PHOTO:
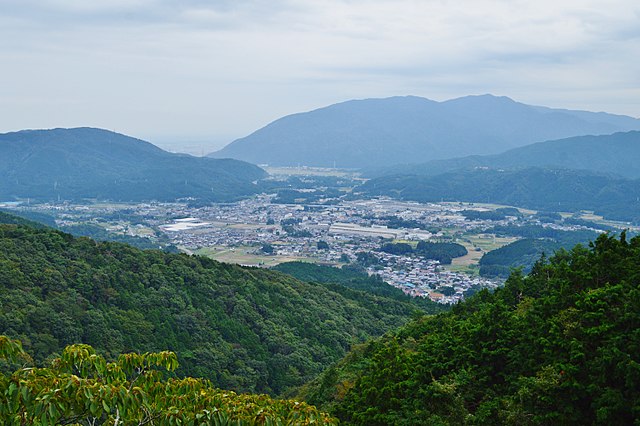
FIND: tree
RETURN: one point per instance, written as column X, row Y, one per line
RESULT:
column 323, row 245
column 367, row 258
column 81, row 387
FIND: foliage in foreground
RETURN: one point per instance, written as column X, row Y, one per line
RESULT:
column 80, row 387
column 560, row 346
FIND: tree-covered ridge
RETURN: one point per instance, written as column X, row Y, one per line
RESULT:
column 559, row 346
column 440, row 251
column 86, row 163
column 533, row 188
column 81, row 387
column 615, row 154
column 244, row 329
column 409, row 129
column 88, row 229
column 11, row 219
column 98, row 233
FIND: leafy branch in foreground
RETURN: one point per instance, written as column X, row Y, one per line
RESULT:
column 82, row 388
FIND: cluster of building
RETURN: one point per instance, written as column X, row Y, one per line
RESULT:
column 427, row 278
column 294, row 231
column 349, row 228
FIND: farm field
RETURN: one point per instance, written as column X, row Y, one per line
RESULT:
column 469, row 263
column 244, row 255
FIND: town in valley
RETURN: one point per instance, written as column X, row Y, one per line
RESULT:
column 265, row 230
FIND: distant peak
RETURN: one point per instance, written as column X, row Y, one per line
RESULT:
column 398, row 98
column 486, row 97
column 65, row 130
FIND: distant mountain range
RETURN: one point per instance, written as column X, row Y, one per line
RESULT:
column 536, row 188
column 379, row 132
column 88, row 163
column 615, row 154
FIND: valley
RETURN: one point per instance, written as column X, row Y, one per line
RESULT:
column 358, row 213
column 262, row 231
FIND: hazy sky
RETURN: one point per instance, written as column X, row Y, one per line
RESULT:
column 190, row 71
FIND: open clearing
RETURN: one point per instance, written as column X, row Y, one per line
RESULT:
column 244, row 256
column 469, row 263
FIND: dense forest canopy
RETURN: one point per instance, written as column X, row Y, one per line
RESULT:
column 12, row 219
column 559, row 346
column 536, row 241
column 244, row 329
column 86, row 229
column 533, row 188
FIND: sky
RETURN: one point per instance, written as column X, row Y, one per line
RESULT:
column 193, row 75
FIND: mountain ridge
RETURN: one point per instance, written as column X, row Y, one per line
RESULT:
column 402, row 129
column 535, row 188
column 86, row 162
column 613, row 154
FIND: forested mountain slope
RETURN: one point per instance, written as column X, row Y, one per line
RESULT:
column 524, row 253
column 383, row 132
column 11, row 219
column 614, row 154
column 535, row 188
column 81, row 163
column 560, row 346
column 91, row 230
column 245, row 329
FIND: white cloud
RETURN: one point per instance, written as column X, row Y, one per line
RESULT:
column 196, row 68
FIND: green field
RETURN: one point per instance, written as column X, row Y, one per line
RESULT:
column 244, row 255
column 469, row 263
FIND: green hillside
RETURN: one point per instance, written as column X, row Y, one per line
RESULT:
column 534, row 188
column 91, row 230
column 11, row 219
column 615, row 154
column 244, row 329
column 560, row 346
column 87, row 163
